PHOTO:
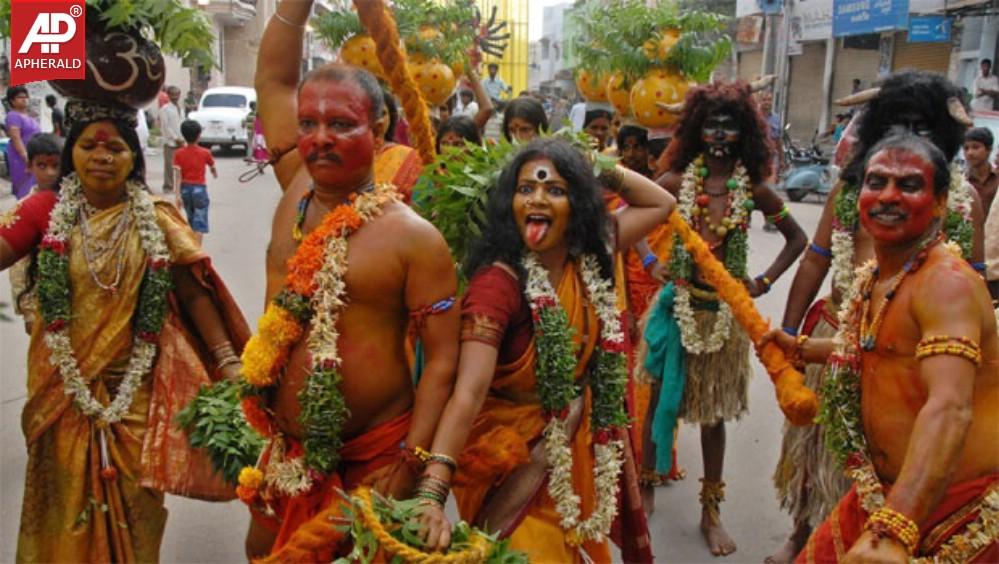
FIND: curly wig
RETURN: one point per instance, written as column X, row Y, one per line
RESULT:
column 922, row 93
column 589, row 228
column 755, row 149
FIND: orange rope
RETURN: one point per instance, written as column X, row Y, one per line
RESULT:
column 381, row 25
column 797, row 402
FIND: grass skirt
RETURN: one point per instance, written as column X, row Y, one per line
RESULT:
column 809, row 482
column 717, row 386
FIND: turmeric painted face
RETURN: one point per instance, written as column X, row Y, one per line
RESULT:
column 335, row 137
column 102, row 159
column 541, row 206
column 897, row 202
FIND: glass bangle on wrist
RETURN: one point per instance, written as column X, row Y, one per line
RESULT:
column 766, row 282
column 649, row 260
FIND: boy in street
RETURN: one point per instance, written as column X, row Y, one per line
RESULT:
column 978, row 144
column 189, row 163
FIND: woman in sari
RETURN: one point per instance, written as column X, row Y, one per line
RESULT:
column 133, row 320
column 539, row 397
column 21, row 127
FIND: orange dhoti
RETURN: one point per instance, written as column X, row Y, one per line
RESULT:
column 71, row 512
column 944, row 537
column 304, row 523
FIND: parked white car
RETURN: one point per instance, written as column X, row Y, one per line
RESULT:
column 221, row 113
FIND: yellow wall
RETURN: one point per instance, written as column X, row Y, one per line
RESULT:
column 513, row 65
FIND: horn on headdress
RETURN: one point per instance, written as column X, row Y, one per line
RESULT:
column 956, row 109
column 859, row 98
column 674, row 108
column 763, row 82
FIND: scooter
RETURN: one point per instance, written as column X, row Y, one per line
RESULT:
column 808, row 171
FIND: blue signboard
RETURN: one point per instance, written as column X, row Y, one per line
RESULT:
column 929, row 29
column 855, row 17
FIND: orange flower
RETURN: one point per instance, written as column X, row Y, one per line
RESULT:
column 304, row 264
column 256, row 416
column 268, row 348
column 245, row 494
column 797, row 402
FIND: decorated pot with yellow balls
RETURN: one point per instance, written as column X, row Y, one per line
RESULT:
column 618, row 95
column 434, row 79
column 658, row 48
column 590, row 87
column 359, row 51
column 658, row 86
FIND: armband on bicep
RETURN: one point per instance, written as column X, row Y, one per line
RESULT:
column 962, row 347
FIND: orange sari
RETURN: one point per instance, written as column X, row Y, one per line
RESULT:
column 70, row 513
column 510, row 422
column 400, row 165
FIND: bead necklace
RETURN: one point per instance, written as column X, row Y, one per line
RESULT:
column 303, row 206
column 869, row 332
column 733, row 218
column 114, row 244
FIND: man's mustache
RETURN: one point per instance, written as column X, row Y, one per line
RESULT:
column 314, row 156
column 890, row 209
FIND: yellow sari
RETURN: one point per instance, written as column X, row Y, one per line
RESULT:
column 71, row 513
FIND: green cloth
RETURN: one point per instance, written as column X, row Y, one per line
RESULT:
column 665, row 362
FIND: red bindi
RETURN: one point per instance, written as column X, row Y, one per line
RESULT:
column 102, row 136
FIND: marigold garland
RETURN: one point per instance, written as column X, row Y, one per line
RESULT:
column 55, row 299
column 314, row 290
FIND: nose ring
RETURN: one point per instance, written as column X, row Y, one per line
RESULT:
column 109, row 159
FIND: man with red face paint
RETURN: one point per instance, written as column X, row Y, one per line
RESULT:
column 718, row 164
column 349, row 268
column 910, row 402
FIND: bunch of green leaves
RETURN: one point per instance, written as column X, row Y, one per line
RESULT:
column 960, row 231
column 400, row 519
column 453, row 20
column 154, row 299
column 337, row 26
column 324, row 411
column 54, row 300
column 845, row 207
column 453, row 190
column 556, row 364
column 613, row 38
column 214, row 421
column 176, row 28
column 839, row 413
column 608, row 383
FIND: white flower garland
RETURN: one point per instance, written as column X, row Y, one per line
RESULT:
column 693, row 342
column 958, row 201
column 609, row 457
column 62, row 220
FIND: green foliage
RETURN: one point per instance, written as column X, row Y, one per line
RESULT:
column 608, row 382
column 214, row 421
column 736, row 248
column 177, row 29
column 400, row 519
column 53, row 286
column 556, row 364
column 323, row 413
column 845, row 207
column 613, row 35
column 154, row 296
column 961, row 232
column 453, row 19
column 839, row 413
column 453, row 190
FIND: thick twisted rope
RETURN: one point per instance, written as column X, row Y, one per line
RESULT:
column 478, row 550
column 797, row 402
column 381, row 25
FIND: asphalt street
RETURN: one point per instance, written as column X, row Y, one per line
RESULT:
column 240, row 217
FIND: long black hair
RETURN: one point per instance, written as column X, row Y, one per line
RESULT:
column 907, row 92
column 589, row 228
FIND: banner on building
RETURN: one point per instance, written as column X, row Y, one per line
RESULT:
column 749, row 30
column 853, row 17
column 811, row 20
column 929, row 29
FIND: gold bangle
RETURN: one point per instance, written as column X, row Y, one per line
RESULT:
column 445, row 460
column 888, row 523
column 287, row 22
column 612, row 179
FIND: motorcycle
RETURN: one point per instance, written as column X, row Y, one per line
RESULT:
column 808, row 171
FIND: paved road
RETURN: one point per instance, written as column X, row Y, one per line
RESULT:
column 207, row 532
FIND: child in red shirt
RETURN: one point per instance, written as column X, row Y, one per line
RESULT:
column 189, row 163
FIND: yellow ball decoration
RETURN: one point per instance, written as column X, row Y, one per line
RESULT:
column 659, row 86
column 435, row 80
column 359, row 51
column 592, row 89
column 619, row 96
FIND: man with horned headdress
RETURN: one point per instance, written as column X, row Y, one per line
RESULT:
column 718, row 163
column 807, row 478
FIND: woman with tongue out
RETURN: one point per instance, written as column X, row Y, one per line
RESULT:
column 536, row 419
